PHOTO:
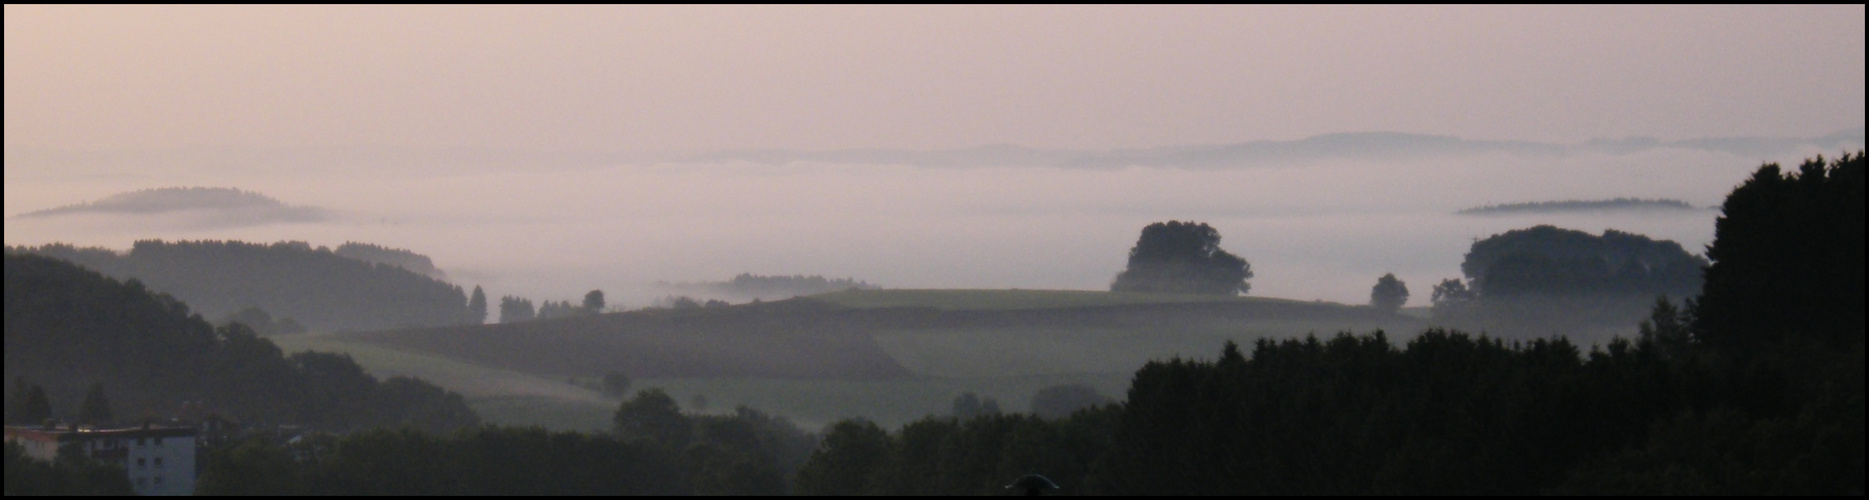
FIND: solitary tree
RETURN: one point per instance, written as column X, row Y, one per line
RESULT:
column 1182, row 257
column 594, row 301
column 477, row 306
column 1389, row 293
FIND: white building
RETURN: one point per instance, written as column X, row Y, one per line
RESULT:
column 159, row 460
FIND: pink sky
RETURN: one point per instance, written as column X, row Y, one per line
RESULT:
column 660, row 78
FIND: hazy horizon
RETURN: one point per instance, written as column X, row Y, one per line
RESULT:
column 546, row 151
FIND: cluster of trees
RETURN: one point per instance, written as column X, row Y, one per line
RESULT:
column 1182, row 257
column 1755, row 388
column 1545, row 280
column 1549, row 260
column 686, row 302
column 263, row 323
column 746, row 453
column 956, row 456
column 319, row 288
column 517, row 309
column 72, row 332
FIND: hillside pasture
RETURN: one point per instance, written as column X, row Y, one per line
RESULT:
column 888, row 355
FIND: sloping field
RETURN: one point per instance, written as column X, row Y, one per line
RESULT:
column 887, row 355
column 473, row 381
column 789, row 340
column 973, row 300
column 1009, row 333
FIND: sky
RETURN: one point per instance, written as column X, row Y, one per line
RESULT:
column 607, row 78
column 386, row 117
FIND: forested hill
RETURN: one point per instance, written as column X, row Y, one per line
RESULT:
column 316, row 287
column 393, row 256
column 69, row 329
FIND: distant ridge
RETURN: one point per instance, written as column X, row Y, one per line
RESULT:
column 26, row 163
column 226, row 205
column 1579, row 206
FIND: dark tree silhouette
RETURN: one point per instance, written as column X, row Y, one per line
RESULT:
column 30, row 405
column 1389, row 293
column 1451, row 291
column 477, row 307
column 594, row 301
column 653, row 417
column 1182, row 257
column 1552, row 260
column 1788, row 259
column 515, row 309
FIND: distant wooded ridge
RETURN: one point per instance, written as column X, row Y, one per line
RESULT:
column 1580, row 206
column 317, row 287
column 1364, row 146
column 187, row 198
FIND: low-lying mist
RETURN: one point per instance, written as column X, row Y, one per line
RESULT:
column 1321, row 231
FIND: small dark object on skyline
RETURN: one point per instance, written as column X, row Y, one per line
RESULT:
column 1033, row 484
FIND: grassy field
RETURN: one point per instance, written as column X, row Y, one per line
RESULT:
column 987, row 300
column 511, row 398
column 1002, row 344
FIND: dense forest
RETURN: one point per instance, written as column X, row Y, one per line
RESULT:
column 317, row 288
column 398, row 257
column 70, row 331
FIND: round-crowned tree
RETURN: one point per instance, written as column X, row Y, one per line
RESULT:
column 1182, row 257
column 1389, row 293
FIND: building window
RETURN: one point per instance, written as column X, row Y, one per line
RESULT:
column 158, row 465
column 139, row 442
column 142, row 482
column 158, row 482
column 140, row 465
column 158, row 441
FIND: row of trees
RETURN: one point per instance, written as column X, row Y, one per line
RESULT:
column 517, row 309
